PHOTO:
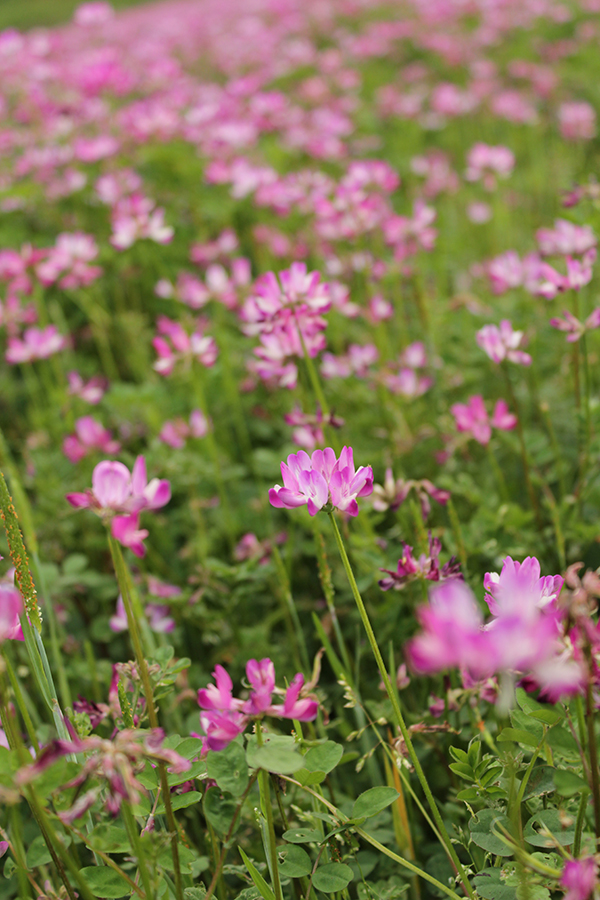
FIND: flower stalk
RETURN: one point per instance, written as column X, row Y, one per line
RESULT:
column 397, row 711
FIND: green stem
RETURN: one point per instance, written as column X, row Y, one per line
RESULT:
column 579, row 823
column 20, row 699
column 136, row 846
column 123, row 580
column 593, row 757
column 374, row 843
column 265, row 802
column 221, row 861
column 398, row 713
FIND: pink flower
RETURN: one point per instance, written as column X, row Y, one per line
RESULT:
column 453, row 635
column 393, row 493
column 520, row 589
column 304, row 710
column 565, row 239
column 92, row 391
column 573, row 327
column 502, row 343
column 484, row 162
column 261, row 676
column 116, row 490
column 136, row 217
column 94, row 13
column 176, row 432
column 577, row 121
column 223, row 717
column 177, row 345
column 315, row 480
column 36, row 343
column 579, row 878
column 126, row 530
column 11, row 609
column 425, row 566
column 90, row 435
column 473, row 418
column 302, row 486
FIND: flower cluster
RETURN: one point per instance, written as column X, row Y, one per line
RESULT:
column 525, row 635
column 223, row 717
column 116, row 762
column 286, row 313
column 119, row 496
column 472, row 417
column 320, row 479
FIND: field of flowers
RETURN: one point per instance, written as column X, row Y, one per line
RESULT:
column 300, row 443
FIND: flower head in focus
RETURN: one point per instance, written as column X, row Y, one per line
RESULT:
column 223, row 717
column 314, row 481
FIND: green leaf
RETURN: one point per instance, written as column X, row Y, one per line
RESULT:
column 458, row 754
column 548, row 716
column 323, row 758
column 469, row 795
column 524, row 722
column 332, row 877
column 229, row 769
column 304, row 777
column 518, row 736
column 303, row 836
column 490, row 887
column 260, row 883
column 371, row 802
column 548, row 819
column 38, row 853
column 462, row 769
column 278, row 759
column 111, row 839
column 481, row 828
column 294, row 862
column 541, row 781
column 186, row 858
column 181, row 801
column 105, row 882
column 532, row 892
column 219, row 809
column 568, row 784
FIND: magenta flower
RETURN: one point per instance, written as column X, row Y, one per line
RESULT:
column 92, row 391
column 158, row 618
column 503, row 343
column 425, row 566
column 577, row 121
column 303, row 709
column 524, row 636
column 173, row 344
column 36, row 343
column 573, row 328
column 520, row 589
column 472, row 417
column 565, row 239
column 316, row 480
column 393, row 492
column 11, row 609
column 453, row 635
column 176, row 432
column 90, row 435
column 579, row 878
column 117, row 491
column 223, row 717
column 126, row 530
